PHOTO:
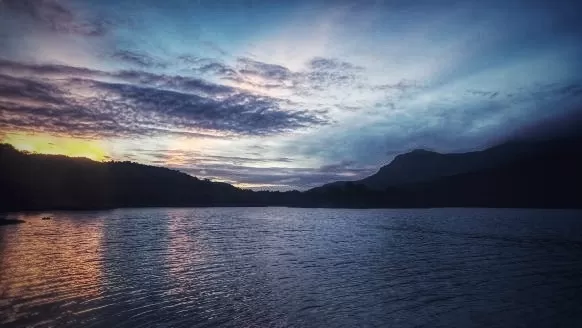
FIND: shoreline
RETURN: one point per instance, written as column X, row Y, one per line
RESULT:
column 5, row 222
column 77, row 209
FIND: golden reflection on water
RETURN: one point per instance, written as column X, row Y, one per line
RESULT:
column 46, row 265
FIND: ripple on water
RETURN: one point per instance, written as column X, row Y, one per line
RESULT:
column 279, row 267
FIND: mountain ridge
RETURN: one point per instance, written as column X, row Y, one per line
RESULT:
column 421, row 165
column 519, row 174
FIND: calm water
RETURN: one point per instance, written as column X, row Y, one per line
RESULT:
column 280, row 267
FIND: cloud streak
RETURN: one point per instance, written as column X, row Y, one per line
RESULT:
column 142, row 103
column 139, row 59
column 277, row 177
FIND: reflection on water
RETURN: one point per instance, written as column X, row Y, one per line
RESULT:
column 49, row 267
column 279, row 267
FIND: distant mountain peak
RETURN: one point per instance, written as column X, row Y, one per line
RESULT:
column 422, row 151
column 416, row 153
column 421, row 165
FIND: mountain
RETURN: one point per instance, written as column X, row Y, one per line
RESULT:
column 422, row 165
column 549, row 177
column 540, row 174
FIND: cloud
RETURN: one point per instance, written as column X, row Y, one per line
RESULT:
column 241, row 112
column 199, row 157
column 328, row 64
column 55, row 16
column 175, row 82
column 218, row 69
column 355, row 84
column 488, row 94
column 208, row 66
column 438, row 120
column 194, row 60
column 261, row 177
column 258, row 171
column 21, row 90
column 402, row 86
column 320, row 74
column 265, row 70
column 340, row 167
column 49, row 70
column 79, row 101
column 139, row 59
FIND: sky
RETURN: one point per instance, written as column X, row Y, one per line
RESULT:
column 282, row 95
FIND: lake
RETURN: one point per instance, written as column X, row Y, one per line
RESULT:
column 287, row 267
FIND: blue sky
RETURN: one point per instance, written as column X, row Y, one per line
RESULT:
column 283, row 95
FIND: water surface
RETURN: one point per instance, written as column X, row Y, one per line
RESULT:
column 282, row 267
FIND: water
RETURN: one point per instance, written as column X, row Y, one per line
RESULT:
column 281, row 267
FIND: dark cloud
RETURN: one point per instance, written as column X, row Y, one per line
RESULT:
column 54, row 15
column 238, row 113
column 176, row 82
column 80, row 104
column 18, row 90
column 64, row 120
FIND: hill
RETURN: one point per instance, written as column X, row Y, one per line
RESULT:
column 34, row 181
column 541, row 174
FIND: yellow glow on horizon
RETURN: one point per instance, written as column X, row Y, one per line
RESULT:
column 55, row 145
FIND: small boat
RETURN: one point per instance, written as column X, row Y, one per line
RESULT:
column 46, row 218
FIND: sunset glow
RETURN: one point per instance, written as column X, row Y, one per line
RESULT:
column 282, row 95
column 55, row 145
